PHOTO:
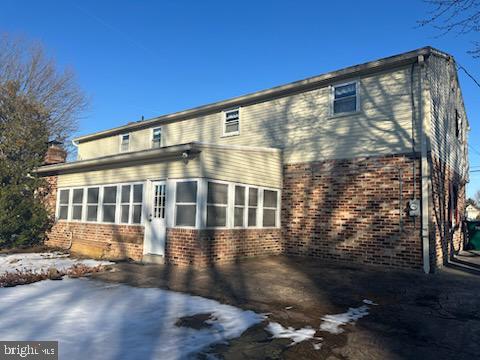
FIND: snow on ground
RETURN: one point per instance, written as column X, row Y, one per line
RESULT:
column 41, row 262
column 333, row 323
column 96, row 320
column 278, row 331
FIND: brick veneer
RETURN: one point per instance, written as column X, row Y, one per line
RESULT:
column 203, row 247
column 445, row 239
column 98, row 240
column 351, row 210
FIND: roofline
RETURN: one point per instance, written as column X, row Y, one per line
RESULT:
column 164, row 153
column 273, row 93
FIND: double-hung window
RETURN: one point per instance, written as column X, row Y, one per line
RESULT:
column 137, row 199
column 270, row 204
column 252, row 206
column 157, row 138
column 77, row 204
column 186, row 203
column 239, row 212
column 124, row 142
column 217, row 204
column 125, row 203
column 64, row 203
column 109, row 203
column 345, row 98
column 231, row 122
column 92, row 203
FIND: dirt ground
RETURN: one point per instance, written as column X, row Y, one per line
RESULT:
column 418, row 316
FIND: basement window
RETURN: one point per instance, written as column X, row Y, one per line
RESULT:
column 231, row 122
column 345, row 98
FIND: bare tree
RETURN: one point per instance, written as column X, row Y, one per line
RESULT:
column 37, row 78
column 459, row 16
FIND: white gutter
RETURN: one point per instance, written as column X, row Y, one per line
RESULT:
column 425, row 174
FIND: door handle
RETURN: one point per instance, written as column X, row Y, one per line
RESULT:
column 150, row 217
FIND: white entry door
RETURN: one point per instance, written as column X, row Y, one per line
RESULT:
column 156, row 225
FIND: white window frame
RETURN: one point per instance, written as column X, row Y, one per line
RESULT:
column 224, row 122
column 277, row 209
column 121, row 142
column 174, row 196
column 227, row 206
column 248, row 206
column 357, row 98
column 244, row 206
column 100, row 204
column 161, row 137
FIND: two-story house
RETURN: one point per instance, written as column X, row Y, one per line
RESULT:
column 365, row 164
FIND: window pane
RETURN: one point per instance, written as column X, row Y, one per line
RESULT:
column 109, row 213
column 238, row 218
column 157, row 134
column 77, row 196
column 92, row 195
column 252, row 197
column 77, row 212
column 232, row 115
column 217, row 193
column 137, row 214
column 64, row 194
column 137, row 193
column 125, row 213
column 239, row 195
column 63, row 212
column 232, row 127
column 186, row 215
column 269, row 198
column 187, row 192
column 269, row 218
column 252, row 217
column 92, row 211
column 110, row 195
column 126, row 193
column 216, row 216
column 345, row 90
column 345, row 105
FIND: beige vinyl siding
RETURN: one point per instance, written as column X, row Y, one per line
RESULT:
column 249, row 167
column 445, row 97
column 301, row 124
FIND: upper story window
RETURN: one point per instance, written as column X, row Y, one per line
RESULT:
column 345, row 98
column 157, row 138
column 124, row 142
column 231, row 122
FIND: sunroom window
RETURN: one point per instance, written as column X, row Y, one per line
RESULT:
column 63, row 204
column 186, row 203
column 109, row 203
column 217, row 203
column 239, row 212
column 345, row 98
column 77, row 204
column 270, row 204
column 92, row 203
column 252, row 206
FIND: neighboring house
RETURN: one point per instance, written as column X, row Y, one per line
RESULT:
column 365, row 164
column 473, row 212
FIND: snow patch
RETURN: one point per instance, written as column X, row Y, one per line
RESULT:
column 96, row 320
column 41, row 262
column 369, row 302
column 278, row 331
column 333, row 323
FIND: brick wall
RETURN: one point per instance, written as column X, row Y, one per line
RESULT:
column 353, row 210
column 203, row 247
column 98, row 240
column 446, row 238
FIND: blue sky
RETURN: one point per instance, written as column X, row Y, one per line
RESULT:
column 149, row 58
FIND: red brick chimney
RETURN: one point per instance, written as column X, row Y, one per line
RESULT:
column 55, row 154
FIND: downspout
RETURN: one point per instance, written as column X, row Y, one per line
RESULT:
column 425, row 173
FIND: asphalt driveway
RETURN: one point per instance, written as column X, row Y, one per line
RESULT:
column 417, row 317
